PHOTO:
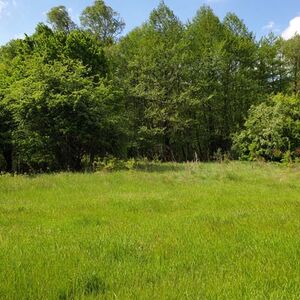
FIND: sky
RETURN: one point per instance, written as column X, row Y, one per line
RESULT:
column 261, row 16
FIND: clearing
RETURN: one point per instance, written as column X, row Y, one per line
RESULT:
column 189, row 231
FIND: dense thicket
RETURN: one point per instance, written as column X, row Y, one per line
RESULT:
column 272, row 131
column 70, row 94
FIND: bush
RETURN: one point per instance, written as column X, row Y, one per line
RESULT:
column 271, row 131
column 111, row 164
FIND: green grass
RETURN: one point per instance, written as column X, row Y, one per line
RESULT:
column 194, row 231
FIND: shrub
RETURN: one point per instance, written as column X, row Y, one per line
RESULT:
column 111, row 164
column 271, row 131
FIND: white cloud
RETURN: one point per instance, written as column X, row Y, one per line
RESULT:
column 271, row 27
column 293, row 29
column 3, row 6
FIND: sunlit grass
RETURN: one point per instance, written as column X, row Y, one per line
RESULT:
column 193, row 231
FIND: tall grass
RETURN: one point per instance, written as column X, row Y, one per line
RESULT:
column 193, row 231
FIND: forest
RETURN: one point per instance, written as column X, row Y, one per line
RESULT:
column 73, row 94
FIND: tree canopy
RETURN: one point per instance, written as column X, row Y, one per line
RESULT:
column 59, row 18
column 102, row 21
column 71, row 94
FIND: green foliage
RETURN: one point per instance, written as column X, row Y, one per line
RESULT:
column 60, row 20
column 60, row 115
column 111, row 163
column 271, row 65
column 102, row 21
column 166, row 90
column 150, row 72
column 291, row 50
column 81, row 45
column 272, row 130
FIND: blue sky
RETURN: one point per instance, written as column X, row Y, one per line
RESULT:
column 261, row 16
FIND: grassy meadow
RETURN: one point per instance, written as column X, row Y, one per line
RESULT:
column 189, row 231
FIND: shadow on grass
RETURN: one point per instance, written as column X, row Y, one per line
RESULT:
column 91, row 286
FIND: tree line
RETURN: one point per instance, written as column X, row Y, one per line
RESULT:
column 73, row 93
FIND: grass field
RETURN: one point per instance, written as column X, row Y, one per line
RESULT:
column 194, row 231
